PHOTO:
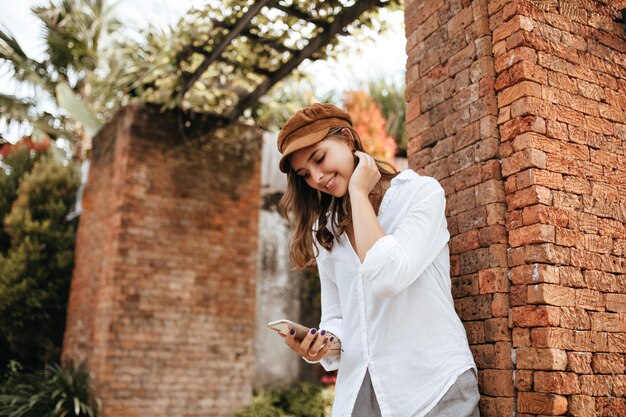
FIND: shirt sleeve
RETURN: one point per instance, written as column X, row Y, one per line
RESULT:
column 396, row 260
column 331, row 317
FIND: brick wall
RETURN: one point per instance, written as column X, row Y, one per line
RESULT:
column 163, row 293
column 517, row 107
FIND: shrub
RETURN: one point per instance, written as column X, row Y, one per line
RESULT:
column 54, row 392
column 35, row 271
column 304, row 400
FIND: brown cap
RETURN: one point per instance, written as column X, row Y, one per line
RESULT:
column 308, row 126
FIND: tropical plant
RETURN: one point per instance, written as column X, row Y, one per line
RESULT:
column 36, row 268
column 54, row 392
column 73, row 30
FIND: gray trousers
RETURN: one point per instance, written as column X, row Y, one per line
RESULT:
column 461, row 400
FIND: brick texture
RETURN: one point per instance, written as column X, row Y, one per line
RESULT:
column 518, row 109
column 163, row 293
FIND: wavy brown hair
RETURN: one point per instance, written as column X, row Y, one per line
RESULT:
column 303, row 206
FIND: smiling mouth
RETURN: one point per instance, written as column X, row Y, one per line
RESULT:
column 331, row 182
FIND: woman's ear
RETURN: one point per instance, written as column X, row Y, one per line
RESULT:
column 347, row 133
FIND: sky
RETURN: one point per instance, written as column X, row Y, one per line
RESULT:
column 383, row 57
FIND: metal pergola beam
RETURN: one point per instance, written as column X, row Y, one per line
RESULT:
column 219, row 49
column 246, row 32
column 342, row 20
column 299, row 14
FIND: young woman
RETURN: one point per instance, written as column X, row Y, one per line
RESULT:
column 379, row 239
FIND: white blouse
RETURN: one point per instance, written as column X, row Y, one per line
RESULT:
column 394, row 313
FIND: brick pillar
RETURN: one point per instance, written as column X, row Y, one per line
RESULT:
column 163, row 293
column 517, row 107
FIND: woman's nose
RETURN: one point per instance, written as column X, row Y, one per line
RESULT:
column 317, row 176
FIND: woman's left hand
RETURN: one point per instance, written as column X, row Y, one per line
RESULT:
column 365, row 175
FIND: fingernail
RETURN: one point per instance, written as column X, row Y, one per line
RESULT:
column 332, row 338
column 313, row 331
column 323, row 332
column 292, row 332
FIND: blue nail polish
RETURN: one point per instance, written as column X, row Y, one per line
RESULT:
column 292, row 332
column 313, row 331
column 323, row 332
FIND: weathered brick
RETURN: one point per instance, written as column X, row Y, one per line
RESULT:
column 534, row 274
column 536, row 233
column 507, row 59
column 608, row 363
column 534, row 316
column 596, row 385
column 575, row 318
column 605, row 322
column 579, row 362
column 541, row 359
column 616, row 302
column 551, row 294
column 546, row 215
column 611, row 406
column 553, row 337
column 540, row 403
column 474, row 308
column 590, row 299
column 557, row 382
column 582, row 405
column 523, row 380
column 498, row 382
column 460, row 21
column 500, row 305
column 522, row 160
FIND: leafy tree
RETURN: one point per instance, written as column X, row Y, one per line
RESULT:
column 36, row 269
column 16, row 160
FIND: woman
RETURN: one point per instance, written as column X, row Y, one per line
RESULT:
column 379, row 239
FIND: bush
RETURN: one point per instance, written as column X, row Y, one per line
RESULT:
column 305, row 400
column 16, row 161
column 35, row 271
column 54, row 392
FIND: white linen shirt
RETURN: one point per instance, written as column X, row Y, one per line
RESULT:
column 394, row 313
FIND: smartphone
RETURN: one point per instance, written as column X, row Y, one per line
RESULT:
column 283, row 326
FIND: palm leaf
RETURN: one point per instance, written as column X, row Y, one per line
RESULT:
column 77, row 109
column 23, row 68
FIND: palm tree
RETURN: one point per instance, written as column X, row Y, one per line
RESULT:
column 73, row 33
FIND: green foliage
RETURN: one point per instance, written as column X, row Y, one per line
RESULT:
column 54, row 392
column 390, row 97
column 14, row 165
column 36, row 269
column 304, row 400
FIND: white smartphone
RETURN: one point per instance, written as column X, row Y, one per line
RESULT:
column 283, row 326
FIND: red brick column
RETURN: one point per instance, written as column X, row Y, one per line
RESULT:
column 163, row 293
column 517, row 108
column 561, row 96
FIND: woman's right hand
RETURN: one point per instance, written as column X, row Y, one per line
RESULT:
column 313, row 347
